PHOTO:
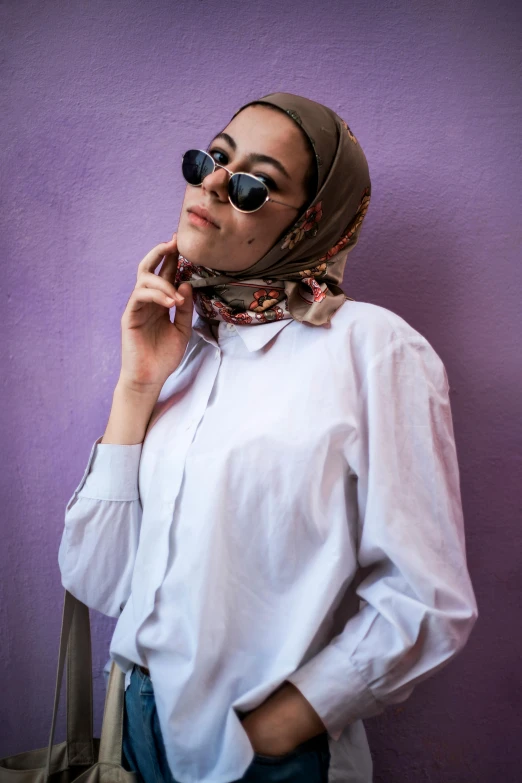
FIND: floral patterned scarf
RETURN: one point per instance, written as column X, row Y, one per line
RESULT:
column 299, row 276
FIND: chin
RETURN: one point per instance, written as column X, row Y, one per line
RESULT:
column 198, row 250
column 193, row 248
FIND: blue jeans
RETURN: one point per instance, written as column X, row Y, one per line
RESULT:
column 144, row 751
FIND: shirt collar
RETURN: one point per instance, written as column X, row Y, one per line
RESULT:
column 254, row 337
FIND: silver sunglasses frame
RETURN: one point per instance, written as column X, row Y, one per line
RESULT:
column 232, row 174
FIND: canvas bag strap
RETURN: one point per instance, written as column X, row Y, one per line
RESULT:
column 75, row 643
column 112, row 727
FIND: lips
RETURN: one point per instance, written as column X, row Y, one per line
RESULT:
column 204, row 213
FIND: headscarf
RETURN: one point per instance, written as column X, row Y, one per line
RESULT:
column 299, row 276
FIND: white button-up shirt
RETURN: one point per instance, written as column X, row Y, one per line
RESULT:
column 293, row 513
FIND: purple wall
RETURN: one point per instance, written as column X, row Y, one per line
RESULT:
column 98, row 102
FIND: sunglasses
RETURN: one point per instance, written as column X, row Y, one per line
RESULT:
column 246, row 192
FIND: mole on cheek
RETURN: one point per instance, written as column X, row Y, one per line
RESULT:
column 251, row 240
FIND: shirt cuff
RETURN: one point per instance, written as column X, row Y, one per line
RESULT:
column 112, row 472
column 335, row 689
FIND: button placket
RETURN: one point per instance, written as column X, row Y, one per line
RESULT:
column 198, row 414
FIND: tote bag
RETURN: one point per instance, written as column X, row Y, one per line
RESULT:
column 81, row 757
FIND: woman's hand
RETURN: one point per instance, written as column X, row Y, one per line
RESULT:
column 282, row 722
column 152, row 345
column 265, row 738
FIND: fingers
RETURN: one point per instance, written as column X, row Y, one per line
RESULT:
column 169, row 267
column 142, row 296
column 154, row 256
column 152, row 287
column 151, row 280
column 185, row 310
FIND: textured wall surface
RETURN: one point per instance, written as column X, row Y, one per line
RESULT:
column 98, row 102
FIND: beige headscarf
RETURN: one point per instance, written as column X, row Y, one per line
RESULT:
column 299, row 276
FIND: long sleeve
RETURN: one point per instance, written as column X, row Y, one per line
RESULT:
column 102, row 524
column 418, row 605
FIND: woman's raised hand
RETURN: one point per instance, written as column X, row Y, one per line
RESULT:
column 152, row 345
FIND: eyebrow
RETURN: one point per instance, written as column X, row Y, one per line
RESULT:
column 254, row 157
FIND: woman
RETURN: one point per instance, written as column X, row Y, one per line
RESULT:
column 273, row 512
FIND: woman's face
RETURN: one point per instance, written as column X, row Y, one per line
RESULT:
column 241, row 239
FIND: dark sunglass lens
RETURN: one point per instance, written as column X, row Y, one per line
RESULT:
column 196, row 166
column 246, row 192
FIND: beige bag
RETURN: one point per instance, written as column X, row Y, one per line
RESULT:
column 81, row 756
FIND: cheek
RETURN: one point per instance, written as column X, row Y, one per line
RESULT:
column 248, row 231
column 267, row 230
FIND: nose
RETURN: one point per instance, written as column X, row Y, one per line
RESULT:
column 217, row 184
